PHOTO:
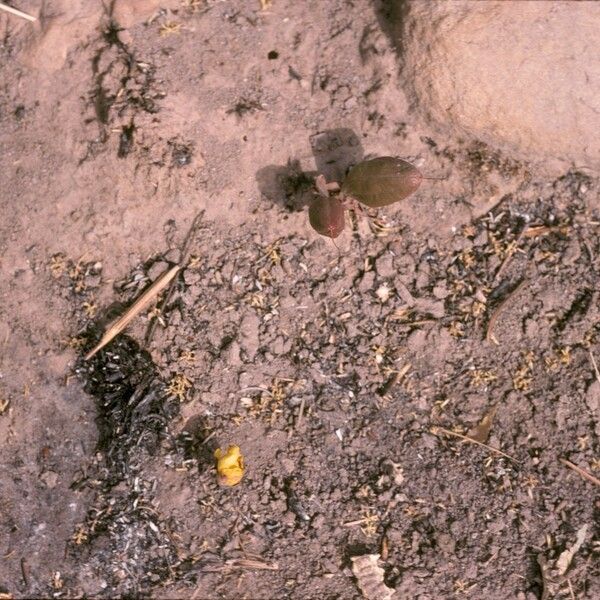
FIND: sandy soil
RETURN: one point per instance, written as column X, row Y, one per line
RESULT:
column 471, row 308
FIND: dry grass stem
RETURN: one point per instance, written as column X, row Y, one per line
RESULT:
column 300, row 413
column 185, row 259
column 240, row 563
column 396, row 377
column 595, row 366
column 135, row 309
column 436, row 430
column 544, row 230
column 248, row 563
column 355, row 523
column 579, row 470
column 17, row 13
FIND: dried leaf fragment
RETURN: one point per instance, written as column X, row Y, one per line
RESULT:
column 230, row 466
column 369, row 576
column 481, row 432
column 564, row 560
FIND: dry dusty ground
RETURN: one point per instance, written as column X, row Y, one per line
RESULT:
column 331, row 367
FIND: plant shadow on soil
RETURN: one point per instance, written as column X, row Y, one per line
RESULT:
column 334, row 150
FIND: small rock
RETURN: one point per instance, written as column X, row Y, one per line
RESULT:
column 50, row 479
column 366, row 283
column 234, row 358
column 592, row 397
column 422, row 280
column 191, row 277
column 278, row 345
column 157, row 269
column 445, row 543
column 173, row 255
column 416, row 340
column 531, row 328
column 429, row 441
column 289, row 466
column 440, row 291
column 385, row 266
column 318, row 521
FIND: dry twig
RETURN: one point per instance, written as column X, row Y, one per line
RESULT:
column 355, row 523
column 248, row 563
column 184, row 259
column 16, row 12
column 595, row 366
column 436, row 430
column 538, row 230
column 135, row 309
column 579, row 470
column 300, row 413
column 240, row 563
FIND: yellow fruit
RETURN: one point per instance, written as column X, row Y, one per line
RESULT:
column 230, row 466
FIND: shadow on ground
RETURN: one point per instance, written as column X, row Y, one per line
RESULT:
column 335, row 151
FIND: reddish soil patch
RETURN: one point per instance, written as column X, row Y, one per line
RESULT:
column 331, row 367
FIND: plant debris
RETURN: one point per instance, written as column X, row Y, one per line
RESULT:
column 134, row 413
column 565, row 559
column 481, row 432
column 135, row 309
column 437, row 430
column 369, row 576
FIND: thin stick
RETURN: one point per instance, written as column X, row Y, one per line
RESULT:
column 24, row 572
column 208, row 437
column 595, row 367
column 466, row 438
column 300, row 413
column 355, row 523
column 17, row 13
column 185, row 251
column 489, row 335
column 579, row 470
column 239, row 563
column 538, row 230
column 248, row 563
column 135, row 309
